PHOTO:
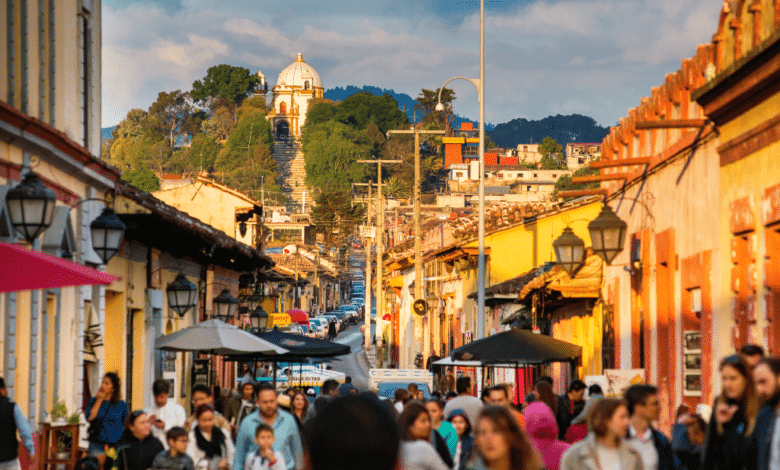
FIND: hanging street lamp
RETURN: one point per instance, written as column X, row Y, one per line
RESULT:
column 258, row 318
column 225, row 306
column 181, row 295
column 569, row 251
column 107, row 234
column 254, row 300
column 30, row 206
column 608, row 234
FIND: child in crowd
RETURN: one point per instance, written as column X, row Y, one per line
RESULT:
column 175, row 458
column 264, row 458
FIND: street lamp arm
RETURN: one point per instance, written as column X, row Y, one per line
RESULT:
column 474, row 81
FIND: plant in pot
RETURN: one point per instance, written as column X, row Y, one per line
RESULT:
column 58, row 413
column 64, row 441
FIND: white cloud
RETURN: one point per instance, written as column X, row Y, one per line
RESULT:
column 595, row 57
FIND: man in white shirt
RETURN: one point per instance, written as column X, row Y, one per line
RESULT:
column 653, row 446
column 164, row 414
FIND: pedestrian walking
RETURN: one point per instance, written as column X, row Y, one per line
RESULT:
column 165, row 414
column 499, row 443
column 175, row 458
column 735, row 410
column 355, row 432
column 264, row 458
column 287, row 437
column 465, row 400
column 417, row 453
column 201, row 395
column 499, row 396
column 436, row 410
column 688, row 436
column 106, row 413
column 401, row 397
column 569, row 405
column 751, row 354
column 210, row 447
column 328, row 391
column 644, row 410
column 605, row 448
column 767, row 433
column 137, row 448
column 531, row 397
column 578, row 429
column 12, row 420
column 347, row 388
column 332, row 330
column 465, row 445
column 543, row 430
column 238, row 408
column 447, row 383
column 299, row 406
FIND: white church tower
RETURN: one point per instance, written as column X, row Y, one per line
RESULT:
column 297, row 84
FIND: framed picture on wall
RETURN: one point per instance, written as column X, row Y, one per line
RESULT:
column 692, row 340
column 691, row 363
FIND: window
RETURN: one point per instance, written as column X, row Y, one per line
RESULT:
column 554, row 175
column 536, row 175
column 306, row 85
column 528, row 188
column 283, row 108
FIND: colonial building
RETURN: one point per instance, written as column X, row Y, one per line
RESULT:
column 297, row 84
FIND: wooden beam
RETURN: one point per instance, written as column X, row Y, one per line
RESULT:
column 598, row 178
column 622, row 162
column 670, row 124
column 583, row 192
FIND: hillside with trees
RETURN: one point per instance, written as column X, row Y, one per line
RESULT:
column 218, row 127
column 562, row 129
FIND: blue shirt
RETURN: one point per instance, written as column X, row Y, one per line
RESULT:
column 110, row 419
column 23, row 427
column 287, row 439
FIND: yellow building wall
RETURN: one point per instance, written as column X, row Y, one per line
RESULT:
column 210, row 205
column 22, row 380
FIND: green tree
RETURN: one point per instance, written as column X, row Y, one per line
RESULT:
column 333, row 214
column 203, row 152
column 246, row 160
column 549, row 147
column 426, row 106
column 171, row 110
column 564, row 182
column 396, row 187
column 358, row 111
column 332, row 150
column 224, row 83
column 551, row 163
column 219, row 125
column 142, row 178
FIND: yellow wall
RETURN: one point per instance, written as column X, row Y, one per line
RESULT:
column 210, row 205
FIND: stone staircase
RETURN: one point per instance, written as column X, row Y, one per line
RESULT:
column 292, row 171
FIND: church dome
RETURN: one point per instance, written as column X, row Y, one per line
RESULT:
column 298, row 73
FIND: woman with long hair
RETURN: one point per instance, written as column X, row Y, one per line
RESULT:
column 733, row 418
column 500, row 444
column 605, row 448
column 299, row 405
column 137, row 447
column 210, row 447
column 544, row 393
column 106, row 413
column 417, row 453
column 460, row 421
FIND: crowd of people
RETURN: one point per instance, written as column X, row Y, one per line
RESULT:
column 259, row 429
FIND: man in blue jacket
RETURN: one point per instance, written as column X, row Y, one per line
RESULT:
column 653, row 446
column 287, row 438
column 766, row 435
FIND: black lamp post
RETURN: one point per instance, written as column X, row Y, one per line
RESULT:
column 569, row 251
column 30, row 206
column 181, row 295
column 107, row 234
column 225, row 306
column 258, row 318
column 608, row 234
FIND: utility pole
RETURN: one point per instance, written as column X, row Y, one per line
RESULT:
column 418, row 263
column 367, row 247
column 379, row 235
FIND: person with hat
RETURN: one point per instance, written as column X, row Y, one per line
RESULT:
column 460, row 421
column 238, row 408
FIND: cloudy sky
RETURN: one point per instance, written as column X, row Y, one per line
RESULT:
column 543, row 57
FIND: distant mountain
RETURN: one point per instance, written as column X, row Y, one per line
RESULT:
column 564, row 129
column 404, row 100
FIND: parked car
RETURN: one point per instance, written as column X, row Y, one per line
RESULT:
column 315, row 328
column 331, row 316
column 323, row 326
column 306, row 330
column 373, row 315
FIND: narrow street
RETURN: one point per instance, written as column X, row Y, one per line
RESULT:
column 355, row 364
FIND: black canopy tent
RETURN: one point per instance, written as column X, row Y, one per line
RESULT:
column 301, row 349
column 518, row 347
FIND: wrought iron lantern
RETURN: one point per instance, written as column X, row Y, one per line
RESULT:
column 30, row 206
column 258, row 318
column 181, row 295
column 608, row 234
column 569, row 251
column 107, row 234
column 225, row 306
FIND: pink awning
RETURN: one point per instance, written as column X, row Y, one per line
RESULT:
column 24, row 269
